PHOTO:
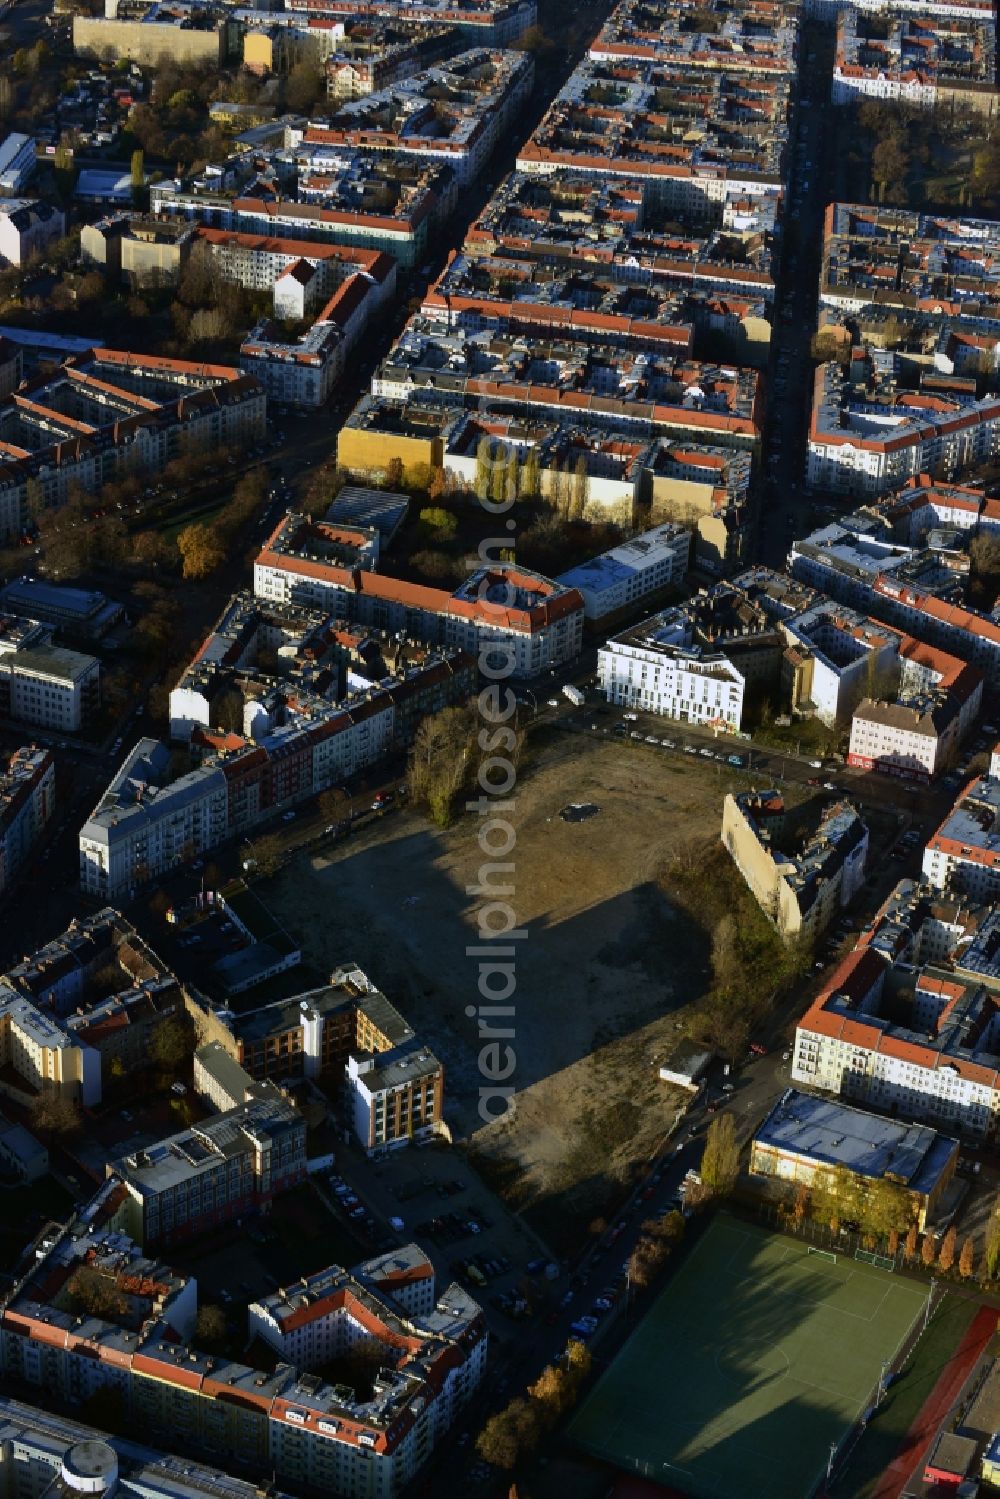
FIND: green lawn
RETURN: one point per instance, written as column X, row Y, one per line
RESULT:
column 754, row 1359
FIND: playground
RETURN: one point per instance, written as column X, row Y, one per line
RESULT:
column 760, row 1355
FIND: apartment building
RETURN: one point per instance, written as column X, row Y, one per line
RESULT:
column 805, row 1137
column 868, row 435
column 146, row 824
column 800, row 891
column 295, row 740
column 83, row 612
column 132, row 413
column 366, row 58
column 139, row 251
column 963, row 855
column 835, row 657
column 916, row 735
column 910, row 1026
column 26, row 226
column 535, row 622
column 659, row 667
column 455, row 112
column 341, row 197
column 327, row 665
column 44, row 1455
column 922, row 60
column 645, row 389
column 61, row 1030
column 915, row 590
column 48, row 686
column 27, row 801
column 862, row 261
column 490, row 23
column 284, row 1420
column 157, row 34
column 705, row 488
column 748, row 36
column 390, row 1085
column 304, row 371
column 394, row 1096
column 632, row 574
column 698, row 662
column 259, row 261
column 231, row 1164
column 608, row 119
column 612, row 224
column 828, row 10
column 516, row 296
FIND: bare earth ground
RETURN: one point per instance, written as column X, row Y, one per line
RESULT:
column 604, row 968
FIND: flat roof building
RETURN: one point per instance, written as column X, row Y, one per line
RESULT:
column 632, row 574
column 804, row 1135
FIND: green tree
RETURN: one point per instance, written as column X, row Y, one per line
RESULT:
column 581, row 489
column 510, row 1435
column 303, row 87
column 441, row 524
column 210, row 1326
column 484, row 467
column 529, row 477
column 992, row 1252
column 34, row 500
column 170, row 1044
column 720, row 1162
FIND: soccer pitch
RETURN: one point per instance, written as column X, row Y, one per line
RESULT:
column 755, row 1358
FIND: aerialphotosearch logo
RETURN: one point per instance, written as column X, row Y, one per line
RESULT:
column 495, row 952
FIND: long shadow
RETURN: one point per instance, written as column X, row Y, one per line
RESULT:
column 743, row 1372
column 603, row 973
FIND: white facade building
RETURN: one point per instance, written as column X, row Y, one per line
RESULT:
column 27, row 800
column 27, row 226
column 656, row 668
column 964, row 854
column 49, row 687
column 631, row 574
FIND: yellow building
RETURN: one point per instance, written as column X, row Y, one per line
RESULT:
column 370, row 450
column 154, row 42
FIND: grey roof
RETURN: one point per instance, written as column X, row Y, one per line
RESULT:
column 55, row 661
column 378, row 508
column 834, row 1134
column 224, row 1069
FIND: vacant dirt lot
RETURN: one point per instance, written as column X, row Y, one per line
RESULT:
column 601, row 974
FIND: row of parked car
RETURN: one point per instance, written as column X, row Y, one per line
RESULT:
column 480, row 1269
column 449, row 1228
column 584, row 1327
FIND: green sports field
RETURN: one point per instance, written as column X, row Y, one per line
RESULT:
column 755, row 1358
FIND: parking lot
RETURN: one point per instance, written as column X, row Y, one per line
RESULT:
column 431, row 1195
